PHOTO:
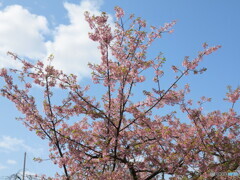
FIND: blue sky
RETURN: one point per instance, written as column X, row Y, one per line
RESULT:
column 38, row 28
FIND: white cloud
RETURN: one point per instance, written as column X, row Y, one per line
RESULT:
column 21, row 32
column 10, row 144
column 12, row 162
column 27, row 173
column 71, row 46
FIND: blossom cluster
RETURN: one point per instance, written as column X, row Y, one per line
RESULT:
column 122, row 133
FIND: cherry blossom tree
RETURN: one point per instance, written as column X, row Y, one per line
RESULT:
column 122, row 132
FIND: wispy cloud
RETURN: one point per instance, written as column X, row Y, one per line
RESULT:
column 27, row 173
column 2, row 167
column 12, row 162
column 11, row 144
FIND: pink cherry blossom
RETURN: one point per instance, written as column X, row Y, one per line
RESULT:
column 125, row 126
